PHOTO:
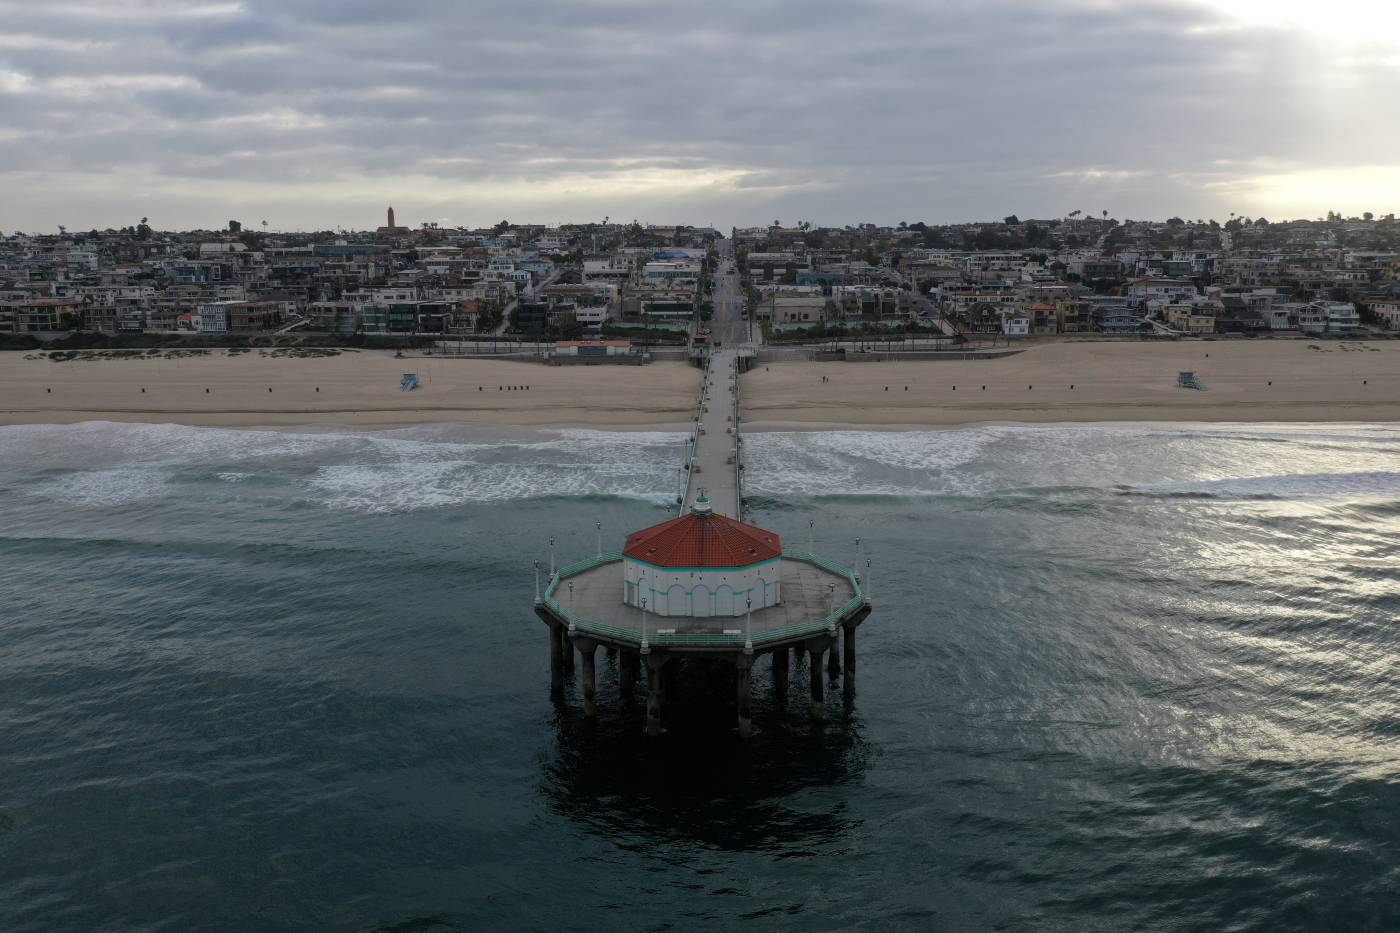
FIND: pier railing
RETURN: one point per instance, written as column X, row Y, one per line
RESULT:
column 703, row 639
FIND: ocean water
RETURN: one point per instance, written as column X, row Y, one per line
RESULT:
column 1118, row 677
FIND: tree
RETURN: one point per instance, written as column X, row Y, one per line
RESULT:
column 235, row 227
column 1175, row 222
column 1012, row 221
column 501, row 227
column 1368, row 216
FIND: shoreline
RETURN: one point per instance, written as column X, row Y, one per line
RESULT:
column 763, row 427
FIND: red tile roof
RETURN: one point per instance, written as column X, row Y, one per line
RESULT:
column 702, row 541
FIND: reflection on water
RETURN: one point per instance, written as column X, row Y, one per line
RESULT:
column 700, row 783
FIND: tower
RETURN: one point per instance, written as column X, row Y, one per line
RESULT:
column 390, row 225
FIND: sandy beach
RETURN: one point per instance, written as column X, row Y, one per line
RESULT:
column 353, row 388
column 1248, row 381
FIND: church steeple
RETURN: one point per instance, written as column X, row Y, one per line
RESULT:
column 390, row 225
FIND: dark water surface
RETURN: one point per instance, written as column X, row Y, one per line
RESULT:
column 1117, row 678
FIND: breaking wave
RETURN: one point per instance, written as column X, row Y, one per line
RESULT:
column 102, row 464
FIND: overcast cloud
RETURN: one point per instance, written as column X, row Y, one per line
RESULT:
column 318, row 113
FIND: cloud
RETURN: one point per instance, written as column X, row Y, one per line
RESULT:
column 313, row 113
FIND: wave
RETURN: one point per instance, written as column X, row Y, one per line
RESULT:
column 1053, row 467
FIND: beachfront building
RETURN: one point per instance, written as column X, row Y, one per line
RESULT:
column 38, row 315
column 1042, row 318
column 1341, row 317
column 1311, row 318
column 1073, row 316
column 1015, row 324
column 1121, row 322
column 702, row 564
column 1189, row 319
column 1387, row 311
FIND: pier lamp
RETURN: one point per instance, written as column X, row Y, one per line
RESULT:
column 571, row 595
column 867, row 578
column 811, row 530
column 646, row 649
column 537, row 581
column 830, row 598
column 599, row 526
column 551, row 556
column 748, row 625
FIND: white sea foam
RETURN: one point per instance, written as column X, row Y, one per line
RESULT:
column 441, row 465
column 104, row 488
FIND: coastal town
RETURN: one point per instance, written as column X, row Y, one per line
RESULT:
column 611, row 287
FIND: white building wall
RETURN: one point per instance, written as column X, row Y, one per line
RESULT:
column 700, row 593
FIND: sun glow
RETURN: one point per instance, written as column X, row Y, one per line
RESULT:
column 1372, row 22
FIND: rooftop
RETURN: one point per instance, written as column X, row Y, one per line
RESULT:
column 702, row 539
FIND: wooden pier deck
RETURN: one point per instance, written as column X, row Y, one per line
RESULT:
column 714, row 455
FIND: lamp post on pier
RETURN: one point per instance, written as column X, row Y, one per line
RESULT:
column 748, row 625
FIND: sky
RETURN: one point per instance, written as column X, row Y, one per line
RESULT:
column 317, row 114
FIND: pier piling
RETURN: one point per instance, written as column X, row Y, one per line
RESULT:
column 654, row 696
column 850, row 652
column 780, row 671
column 556, row 658
column 815, row 649
column 628, row 663
column 744, row 669
column 588, row 650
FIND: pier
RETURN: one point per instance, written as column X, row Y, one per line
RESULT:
column 704, row 584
